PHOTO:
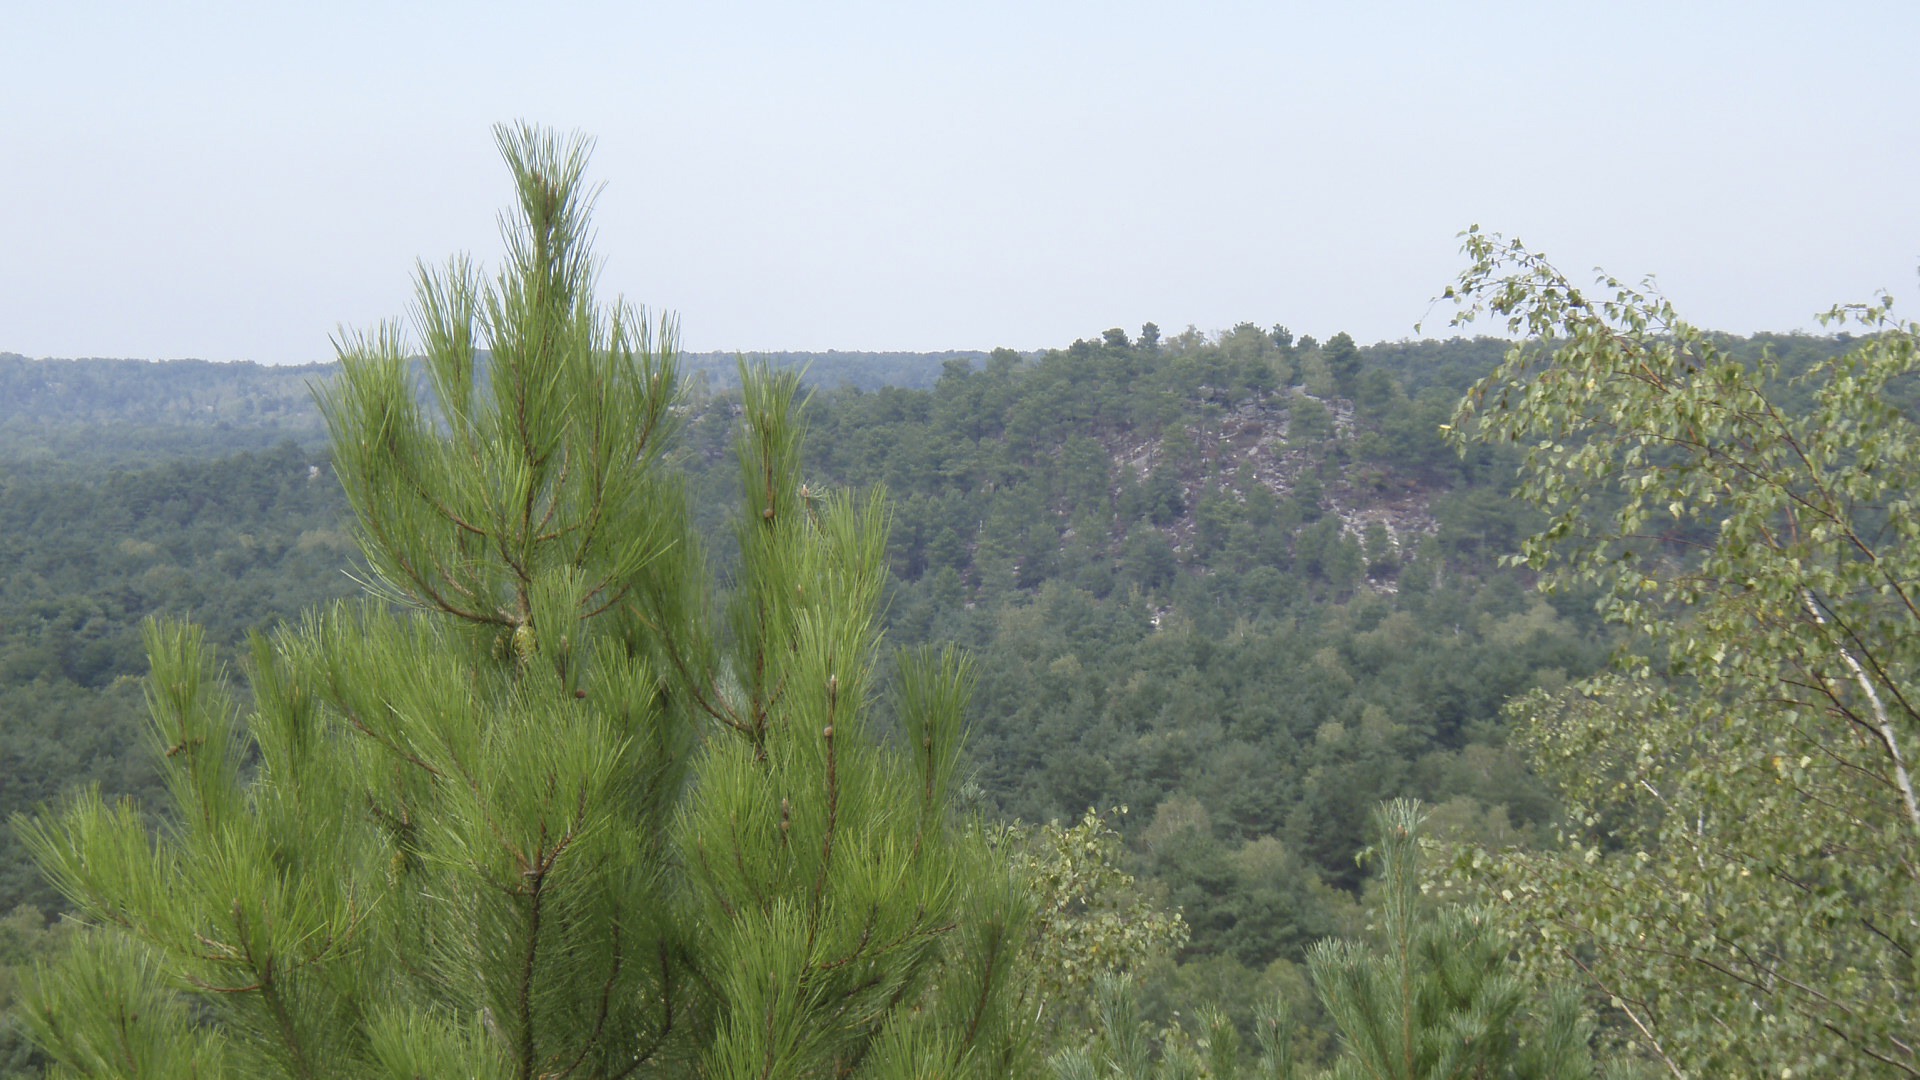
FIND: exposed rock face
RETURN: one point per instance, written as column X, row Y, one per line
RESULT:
column 1256, row 440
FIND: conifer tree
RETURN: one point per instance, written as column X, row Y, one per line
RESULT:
column 1119, row 1046
column 1439, row 1000
column 549, row 806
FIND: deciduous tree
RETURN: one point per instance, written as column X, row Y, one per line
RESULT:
column 1741, row 877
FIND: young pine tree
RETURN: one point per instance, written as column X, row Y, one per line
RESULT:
column 1119, row 1046
column 551, row 810
column 1439, row 1002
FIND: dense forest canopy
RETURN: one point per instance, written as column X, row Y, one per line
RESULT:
column 125, row 412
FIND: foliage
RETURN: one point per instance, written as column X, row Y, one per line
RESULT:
column 26, row 939
column 1090, row 922
column 1114, row 670
column 132, row 413
column 1121, row 1047
column 1438, row 1000
column 136, row 412
column 236, row 543
column 478, row 832
column 830, row 370
column 1739, row 879
column 1204, row 577
column 1122, row 661
column 1162, row 554
column 237, row 540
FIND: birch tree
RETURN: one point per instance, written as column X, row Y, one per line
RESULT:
column 1738, row 879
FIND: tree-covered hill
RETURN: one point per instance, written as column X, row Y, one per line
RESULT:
column 235, row 543
column 1237, row 584
column 135, row 412
column 1239, row 571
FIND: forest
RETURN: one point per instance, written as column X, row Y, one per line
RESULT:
column 1450, row 707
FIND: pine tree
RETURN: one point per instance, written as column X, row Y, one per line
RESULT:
column 1440, row 1001
column 1119, row 1046
column 546, row 806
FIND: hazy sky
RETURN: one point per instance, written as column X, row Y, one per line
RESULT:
column 233, row 181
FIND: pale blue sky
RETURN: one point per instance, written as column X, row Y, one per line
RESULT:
column 234, row 180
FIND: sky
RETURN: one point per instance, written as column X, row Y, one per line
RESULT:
column 238, row 181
